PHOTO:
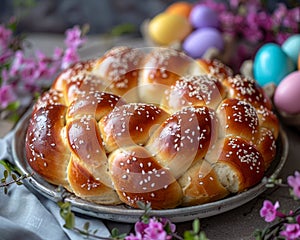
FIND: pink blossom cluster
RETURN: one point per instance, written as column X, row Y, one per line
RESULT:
column 250, row 23
column 290, row 227
column 22, row 75
column 155, row 229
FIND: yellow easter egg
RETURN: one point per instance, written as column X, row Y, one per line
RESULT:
column 166, row 28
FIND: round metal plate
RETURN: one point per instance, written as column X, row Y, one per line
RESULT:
column 123, row 213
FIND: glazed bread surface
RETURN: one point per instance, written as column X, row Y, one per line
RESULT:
column 152, row 126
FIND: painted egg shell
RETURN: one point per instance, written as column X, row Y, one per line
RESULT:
column 196, row 44
column 291, row 47
column 203, row 16
column 180, row 8
column 166, row 28
column 271, row 64
column 287, row 94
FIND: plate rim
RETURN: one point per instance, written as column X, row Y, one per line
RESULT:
column 131, row 215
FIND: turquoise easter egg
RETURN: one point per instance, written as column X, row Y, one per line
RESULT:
column 271, row 64
column 291, row 47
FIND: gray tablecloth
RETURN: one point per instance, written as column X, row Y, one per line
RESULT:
column 29, row 216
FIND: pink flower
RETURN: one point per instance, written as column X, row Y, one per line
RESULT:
column 57, row 54
column 216, row 6
column 292, row 231
column 279, row 14
column 140, row 227
column 73, row 38
column 234, row 3
column 5, row 55
column 155, row 231
column 138, row 236
column 167, row 222
column 264, row 20
column 29, row 72
column 7, row 96
column 5, row 36
column 294, row 182
column 70, row 57
column 268, row 211
column 16, row 64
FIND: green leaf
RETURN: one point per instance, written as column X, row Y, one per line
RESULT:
column 9, row 167
column 122, row 29
column 202, row 236
column 196, row 226
column 114, row 232
column 14, row 177
column 69, row 221
column 188, row 235
column 5, row 173
column 13, row 106
column 86, row 226
column 141, row 205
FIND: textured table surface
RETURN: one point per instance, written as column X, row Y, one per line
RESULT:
column 235, row 224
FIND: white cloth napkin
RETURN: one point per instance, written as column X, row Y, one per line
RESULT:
column 30, row 216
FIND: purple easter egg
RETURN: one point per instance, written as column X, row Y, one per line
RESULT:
column 196, row 44
column 203, row 16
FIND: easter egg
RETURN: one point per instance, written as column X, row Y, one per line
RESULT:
column 287, row 94
column 166, row 28
column 196, row 44
column 180, row 8
column 291, row 47
column 203, row 16
column 271, row 64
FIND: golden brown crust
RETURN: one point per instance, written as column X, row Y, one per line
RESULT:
column 85, row 185
column 239, row 165
column 266, row 145
column 246, row 89
column 238, row 118
column 160, row 69
column 119, row 71
column 183, row 138
column 214, row 68
column 130, row 124
column 200, row 184
column 46, row 151
column 155, row 127
column 94, row 103
column 200, row 90
column 137, row 176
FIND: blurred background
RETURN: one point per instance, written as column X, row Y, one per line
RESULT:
column 103, row 16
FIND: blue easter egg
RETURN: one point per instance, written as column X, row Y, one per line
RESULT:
column 271, row 64
column 291, row 47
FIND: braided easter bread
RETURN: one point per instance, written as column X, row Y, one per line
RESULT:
column 152, row 126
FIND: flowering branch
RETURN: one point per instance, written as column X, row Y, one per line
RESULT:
column 9, row 172
column 150, row 228
column 22, row 77
column 288, row 224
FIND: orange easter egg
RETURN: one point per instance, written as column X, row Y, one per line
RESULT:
column 180, row 8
